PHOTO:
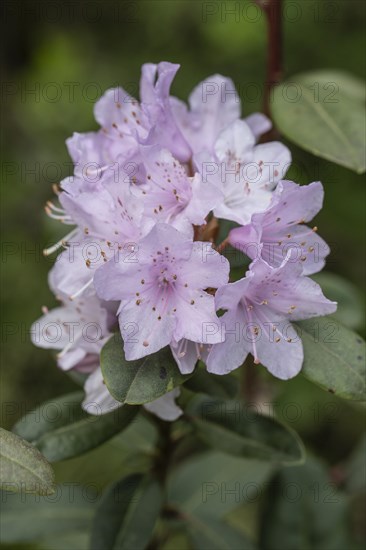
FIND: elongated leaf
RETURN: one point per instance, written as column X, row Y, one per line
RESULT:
column 128, row 452
column 127, row 514
column 212, row 384
column 22, row 467
column 69, row 510
column 322, row 119
column 304, row 510
column 334, row 357
column 51, row 415
column 214, row 483
column 86, row 434
column 140, row 381
column 235, row 429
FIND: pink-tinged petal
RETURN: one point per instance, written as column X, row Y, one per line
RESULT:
column 229, row 295
column 71, row 359
column 119, row 279
column 154, row 91
column 278, row 346
column 230, row 354
column 259, row 124
column 50, row 331
column 242, row 200
column 287, row 291
column 168, row 189
column 74, row 269
column 269, row 165
column 235, row 143
column 87, row 149
column 292, row 204
column 214, row 104
column 163, row 237
column 97, row 399
column 205, row 197
column 187, row 353
column 247, row 239
column 144, row 330
column 165, row 406
column 206, row 268
column 120, row 115
column 307, row 246
column 196, row 318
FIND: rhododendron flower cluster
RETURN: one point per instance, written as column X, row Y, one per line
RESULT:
column 149, row 190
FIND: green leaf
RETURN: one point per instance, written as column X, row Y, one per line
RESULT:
column 216, row 535
column 350, row 311
column 214, row 483
column 68, row 511
column 127, row 514
column 235, row 429
column 323, row 118
column 50, row 415
column 86, row 434
column 128, row 452
column 334, row 357
column 304, row 510
column 140, row 381
column 22, row 467
column 337, row 82
column 212, row 384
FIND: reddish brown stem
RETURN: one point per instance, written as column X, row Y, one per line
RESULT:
column 273, row 11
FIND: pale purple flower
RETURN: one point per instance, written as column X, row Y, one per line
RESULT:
column 246, row 173
column 107, row 211
column 259, row 124
column 155, row 103
column 260, row 308
column 186, row 354
column 214, row 104
column 280, row 228
column 77, row 329
column 172, row 196
column 162, row 294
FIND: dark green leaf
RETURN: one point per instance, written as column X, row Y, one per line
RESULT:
column 304, row 510
column 22, row 467
column 212, row 384
column 334, row 357
column 32, row 518
column 350, row 311
column 50, row 415
column 235, row 429
column 216, row 535
column 323, row 118
column 140, row 381
column 214, row 483
column 86, row 434
column 127, row 514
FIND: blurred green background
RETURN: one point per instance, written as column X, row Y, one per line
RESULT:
column 59, row 59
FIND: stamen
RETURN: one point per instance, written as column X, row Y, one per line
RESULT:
column 61, row 242
column 80, row 290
